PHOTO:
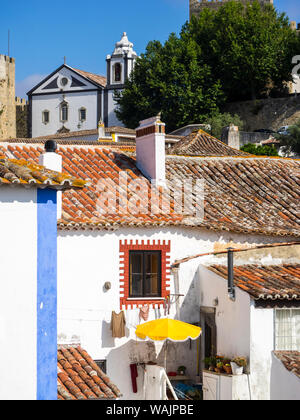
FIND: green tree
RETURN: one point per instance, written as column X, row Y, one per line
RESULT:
column 259, row 150
column 171, row 79
column 218, row 121
column 247, row 47
column 291, row 142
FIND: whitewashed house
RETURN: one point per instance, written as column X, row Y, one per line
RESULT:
column 72, row 100
column 28, row 298
column 115, row 252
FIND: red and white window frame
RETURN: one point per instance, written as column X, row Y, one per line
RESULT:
column 126, row 302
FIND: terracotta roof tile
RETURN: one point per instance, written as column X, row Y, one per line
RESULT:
column 100, row 80
column 267, row 282
column 79, row 377
column 23, row 172
column 290, row 359
column 242, row 193
column 200, row 143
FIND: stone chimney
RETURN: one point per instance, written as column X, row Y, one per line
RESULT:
column 53, row 161
column 150, row 150
column 233, row 136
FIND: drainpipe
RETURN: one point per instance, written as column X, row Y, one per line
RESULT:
column 175, row 272
column 231, row 288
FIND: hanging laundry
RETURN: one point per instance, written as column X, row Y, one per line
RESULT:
column 144, row 312
column 134, row 375
column 118, row 324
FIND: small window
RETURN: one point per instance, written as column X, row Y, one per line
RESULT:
column 101, row 365
column 287, row 329
column 64, row 81
column 82, row 114
column 117, row 72
column 64, row 112
column 145, row 274
column 46, row 117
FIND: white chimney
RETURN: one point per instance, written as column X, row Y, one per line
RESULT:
column 150, row 150
column 53, row 161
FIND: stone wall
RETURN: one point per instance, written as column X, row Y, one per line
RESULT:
column 196, row 6
column 269, row 113
column 7, row 97
column 21, row 118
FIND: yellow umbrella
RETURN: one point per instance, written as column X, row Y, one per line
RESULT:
column 168, row 329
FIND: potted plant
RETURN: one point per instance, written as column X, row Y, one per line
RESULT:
column 227, row 366
column 238, row 364
column 181, row 370
column 219, row 366
column 210, row 363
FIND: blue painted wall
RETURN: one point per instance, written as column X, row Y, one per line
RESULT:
column 47, row 295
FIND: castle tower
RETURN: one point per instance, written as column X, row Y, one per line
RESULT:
column 119, row 66
column 7, row 97
column 196, row 6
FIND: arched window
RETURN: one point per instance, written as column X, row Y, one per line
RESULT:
column 64, row 111
column 117, row 72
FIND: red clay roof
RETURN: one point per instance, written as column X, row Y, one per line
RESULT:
column 79, row 377
column 290, row 359
column 22, row 172
column 100, row 80
column 200, row 143
column 242, row 194
column 268, row 282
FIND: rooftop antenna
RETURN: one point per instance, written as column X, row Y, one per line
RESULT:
column 65, row 60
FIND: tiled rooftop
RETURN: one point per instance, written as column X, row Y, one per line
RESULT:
column 199, row 143
column 22, row 172
column 267, row 282
column 79, row 377
column 242, row 194
column 290, row 359
column 100, row 80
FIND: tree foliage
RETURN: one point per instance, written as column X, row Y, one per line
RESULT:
column 229, row 54
column 218, row 121
column 291, row 141
column 171, row 79
column 259, row 150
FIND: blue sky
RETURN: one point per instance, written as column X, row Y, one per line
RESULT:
column 42, row 33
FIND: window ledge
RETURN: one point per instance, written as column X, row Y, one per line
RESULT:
column 146, row 298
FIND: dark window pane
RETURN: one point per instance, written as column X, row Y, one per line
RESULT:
column 145, row 274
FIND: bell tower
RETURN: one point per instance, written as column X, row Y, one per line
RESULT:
column 119, row 66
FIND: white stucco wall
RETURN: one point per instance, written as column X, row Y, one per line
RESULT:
column 52, row 103
column 18, row 313
column 285, row 385
column 232, row 317
column 86, row 260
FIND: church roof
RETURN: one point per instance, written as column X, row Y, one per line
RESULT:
column 96, row 78
column 243, row 194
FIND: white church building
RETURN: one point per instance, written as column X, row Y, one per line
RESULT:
column 70, row 99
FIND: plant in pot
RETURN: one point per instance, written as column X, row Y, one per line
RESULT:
column 210, row 363
column 181, row 370
column 238, row 364
column 227, row 366
column 219, row 366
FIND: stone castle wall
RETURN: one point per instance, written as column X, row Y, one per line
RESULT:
column 196, row 6
column 7, row 97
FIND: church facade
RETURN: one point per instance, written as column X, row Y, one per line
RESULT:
column 70, row 99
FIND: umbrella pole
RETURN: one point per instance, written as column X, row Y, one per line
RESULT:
column 166, row 356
